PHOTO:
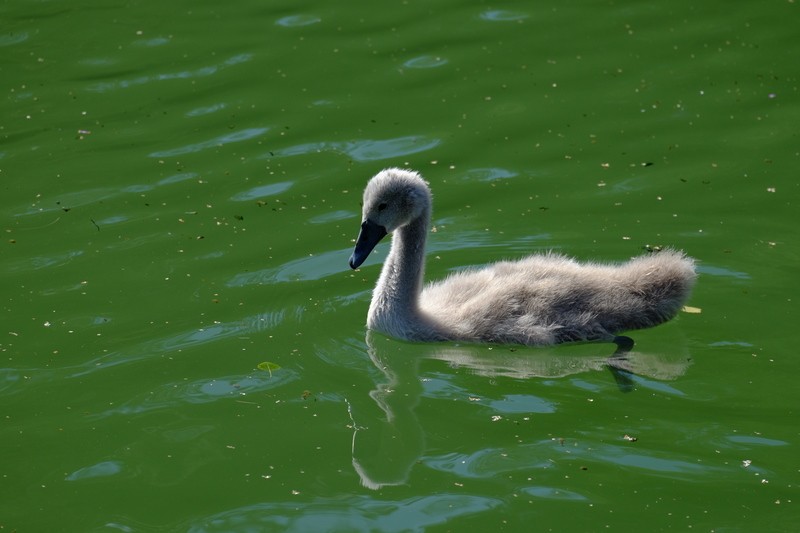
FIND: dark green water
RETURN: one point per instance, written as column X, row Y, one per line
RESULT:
column 180, row 193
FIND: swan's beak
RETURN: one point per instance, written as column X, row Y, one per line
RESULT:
column 369, row 236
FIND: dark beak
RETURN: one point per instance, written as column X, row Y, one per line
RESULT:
column 369, row 236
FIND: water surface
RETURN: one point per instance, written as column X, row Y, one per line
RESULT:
column 181, row 188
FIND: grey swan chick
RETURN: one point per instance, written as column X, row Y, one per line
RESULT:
column 541, row 299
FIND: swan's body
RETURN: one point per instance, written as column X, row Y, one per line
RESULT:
column 541, row 299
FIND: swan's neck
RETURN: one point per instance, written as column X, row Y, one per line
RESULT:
column 395, row 302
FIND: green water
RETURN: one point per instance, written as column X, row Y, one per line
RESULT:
column 180, row 193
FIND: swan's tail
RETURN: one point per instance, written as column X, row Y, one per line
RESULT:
column 661, row 282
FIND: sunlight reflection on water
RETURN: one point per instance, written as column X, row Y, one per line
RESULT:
column 238, row 136
column 172, row 395
column 155, row 347
column 365, row 149
column 182, row 74
column 357, row 513
column 104, row 469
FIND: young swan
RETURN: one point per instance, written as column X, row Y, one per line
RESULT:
column 538, row 300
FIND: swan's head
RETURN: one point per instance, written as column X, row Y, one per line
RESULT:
column 392, row 199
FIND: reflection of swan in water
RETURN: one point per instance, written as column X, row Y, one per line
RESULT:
column 563, row 361
column 539, row 300
column 388, row 443
column 385, row 449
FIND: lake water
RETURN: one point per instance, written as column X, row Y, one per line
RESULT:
column 184, row 345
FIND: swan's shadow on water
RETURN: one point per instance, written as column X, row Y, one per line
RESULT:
column 388, row 444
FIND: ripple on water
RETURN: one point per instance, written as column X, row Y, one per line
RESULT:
column 200, row 72
column 756, row 441
column 108, row 221
column 521, row 403
column 11, row 379
column 42, row 261
column 365, row 149
column 84, row 197
column 69, row 200
column 490, row 174
column 202, row 391
column 721, row 271
column 295, row 21
column 104, row 469
column 333, row 216
column 502, row 15
column 425, row 62
column 552, row 493
column 548, row 454
column 177, row 178
column 306, row 268
column 262, row 190
column 10, row 39
column 490, row 462
column 356, row 513
column 238, row 136
column 206, row 110
column 376, row 150
column 466, row 239
column 180, row 341
column 644, row 460
column 152, row 42
column 98, row 61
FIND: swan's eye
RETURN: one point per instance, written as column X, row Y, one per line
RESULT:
column 382, row 206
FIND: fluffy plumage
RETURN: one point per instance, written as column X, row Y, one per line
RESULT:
column 541, row 299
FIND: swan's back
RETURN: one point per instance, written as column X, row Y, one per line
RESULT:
column 549, row 298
